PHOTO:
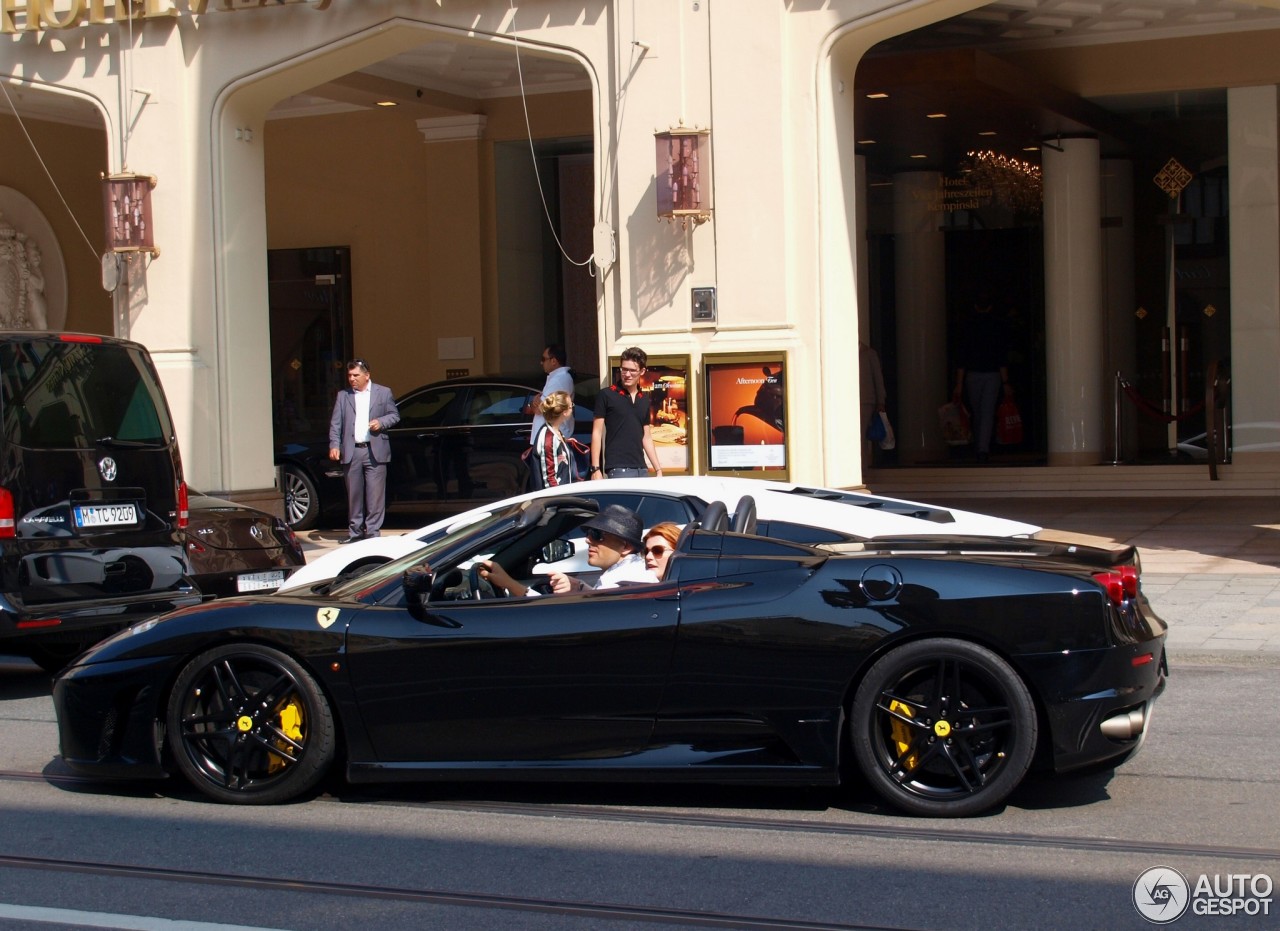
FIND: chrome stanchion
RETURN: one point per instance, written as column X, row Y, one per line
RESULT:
column 1118, row 433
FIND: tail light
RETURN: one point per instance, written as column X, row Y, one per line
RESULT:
column 1120, row 583
column 184, row 512
column 8, row 526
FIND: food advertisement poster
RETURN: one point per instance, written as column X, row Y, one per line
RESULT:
column 746, row 411
column 666, row 379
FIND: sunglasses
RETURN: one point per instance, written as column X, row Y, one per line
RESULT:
column 593, row 535
column 657, row 550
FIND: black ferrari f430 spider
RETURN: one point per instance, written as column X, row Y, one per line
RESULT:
column 940, row 669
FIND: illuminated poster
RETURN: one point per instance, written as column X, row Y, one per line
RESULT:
column 746, row 404
column 667, row 379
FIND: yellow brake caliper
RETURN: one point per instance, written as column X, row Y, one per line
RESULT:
column 901, row 732
column 291, row 725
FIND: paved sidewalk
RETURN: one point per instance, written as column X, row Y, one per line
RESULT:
column 1211, row 566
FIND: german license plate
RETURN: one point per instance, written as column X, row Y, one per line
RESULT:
column 259, row 581
column 106, row 515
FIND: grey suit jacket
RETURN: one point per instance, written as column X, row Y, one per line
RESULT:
column 382, row 408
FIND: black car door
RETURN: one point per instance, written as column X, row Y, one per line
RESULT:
column 552, row 678
column 419, row 472
column 489, row 441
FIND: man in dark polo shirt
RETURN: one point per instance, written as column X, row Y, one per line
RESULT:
column 620, row 436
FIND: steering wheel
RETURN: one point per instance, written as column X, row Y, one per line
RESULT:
column 480, row 588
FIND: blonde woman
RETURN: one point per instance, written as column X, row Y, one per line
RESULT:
column 552, row 459
column 659, row 544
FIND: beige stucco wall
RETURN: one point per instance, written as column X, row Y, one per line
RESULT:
column 70, row 154
column 774, row 82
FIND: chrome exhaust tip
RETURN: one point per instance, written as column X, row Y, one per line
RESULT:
column 1125, row 726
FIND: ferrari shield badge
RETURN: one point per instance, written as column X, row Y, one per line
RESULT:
column 326, row 616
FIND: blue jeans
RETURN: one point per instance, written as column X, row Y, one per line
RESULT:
column 628, row 473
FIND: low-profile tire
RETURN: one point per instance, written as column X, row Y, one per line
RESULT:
column 943, row 728
column 248, row 725
column 301, row 499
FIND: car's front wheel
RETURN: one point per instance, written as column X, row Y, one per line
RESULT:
column 247, row 724
column 301, row 499
column 943, row 727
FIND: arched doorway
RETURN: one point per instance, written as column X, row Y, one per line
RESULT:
column 394, row 178
column 931, row 98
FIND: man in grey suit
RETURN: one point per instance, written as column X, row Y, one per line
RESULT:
column 362, row 415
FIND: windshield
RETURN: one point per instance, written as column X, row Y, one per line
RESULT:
column 77, row 395
column 429, row 553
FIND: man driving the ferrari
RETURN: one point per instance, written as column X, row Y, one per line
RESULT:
column 614, row 544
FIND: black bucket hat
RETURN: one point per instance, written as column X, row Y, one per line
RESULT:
column 619, row 521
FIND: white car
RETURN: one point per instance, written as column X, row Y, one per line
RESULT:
column 783, row 509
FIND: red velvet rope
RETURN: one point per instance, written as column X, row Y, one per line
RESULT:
column 1146, row 407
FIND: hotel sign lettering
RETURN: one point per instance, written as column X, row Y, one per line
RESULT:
column 953, row 194
column 18, row 16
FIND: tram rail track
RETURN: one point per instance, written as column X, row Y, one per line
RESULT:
column 599, row 911
column 934, row 832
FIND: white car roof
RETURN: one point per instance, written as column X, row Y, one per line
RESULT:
column 854, row 512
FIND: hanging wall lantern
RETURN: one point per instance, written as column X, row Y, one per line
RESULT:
column 126, row 208
column 684, row 174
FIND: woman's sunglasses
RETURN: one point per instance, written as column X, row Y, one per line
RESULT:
column 656, row 550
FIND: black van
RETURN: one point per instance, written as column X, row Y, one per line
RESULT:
column 92, row 497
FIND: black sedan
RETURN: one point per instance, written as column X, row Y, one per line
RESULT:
column 459, row 444
column 941, row 669
column 235, row 549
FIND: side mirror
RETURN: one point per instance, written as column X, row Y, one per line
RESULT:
column 555, row 551
column 417, row 583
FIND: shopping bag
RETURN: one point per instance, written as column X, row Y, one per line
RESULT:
column 1008, row 423
column 888, row 440
column 875, row 431
column 954, row 420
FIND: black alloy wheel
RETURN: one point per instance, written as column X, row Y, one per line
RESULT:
column 943, row 728
column 248, row 725
column 301, row 500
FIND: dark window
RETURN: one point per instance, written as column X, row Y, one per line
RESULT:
column 66, row 395
column 427, row 408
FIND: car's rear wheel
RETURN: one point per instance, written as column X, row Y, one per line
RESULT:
column 943, row 727
column 301, row 500
column 247, row 724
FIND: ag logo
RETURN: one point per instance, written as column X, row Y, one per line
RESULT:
column 1161, row 895
column 326, row 616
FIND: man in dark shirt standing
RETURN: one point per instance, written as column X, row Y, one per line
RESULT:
column 983, row 371
column 621, row 437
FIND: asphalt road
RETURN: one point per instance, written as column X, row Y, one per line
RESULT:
column 1203, row 797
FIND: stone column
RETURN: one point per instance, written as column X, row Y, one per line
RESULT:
column 920, row 261
column 1252, row 153
column 1074, row 350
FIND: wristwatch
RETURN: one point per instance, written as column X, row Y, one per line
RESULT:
column 596, row 469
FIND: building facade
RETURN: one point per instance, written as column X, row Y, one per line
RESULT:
column 445, row 186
